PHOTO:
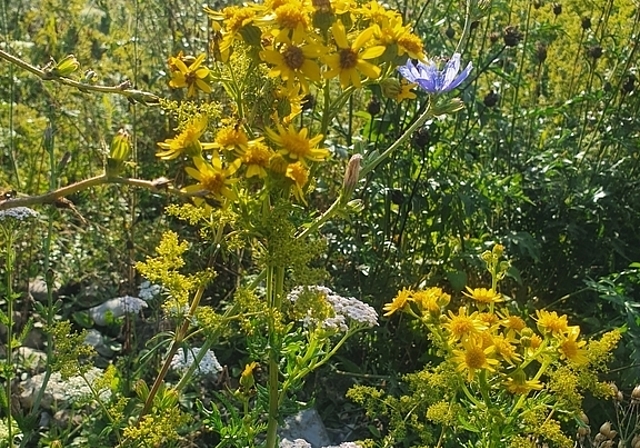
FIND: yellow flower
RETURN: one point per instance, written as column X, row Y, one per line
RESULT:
column 517, row 383
column 462, row 325
column 483, row 296
column 187, row 141
column 571, row 349
column 256, row 157
column 398, row 303
column 351, row 59
column 193, row 77
column 392, row 34
column 296, row 145
column 550, row 322
column 512, row 323
column 405, row 91
column 474, row 357
column 299, row 174
column 292, row 17
column 432, row 299
column 213, row 177
column 489, row 318
column 504, row 348
column 231, row 137
column 294, row 60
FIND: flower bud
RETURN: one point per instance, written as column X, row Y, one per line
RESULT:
column 541, row 52
column 635, row 442
column 614, row 388
column 252, row 35
column 585, row 23
column 557, row 9
column 374, row 106
column 120, row 151
column 619, row 397
column 390, row 88
column 583, row 431
column 584, row 418
column 450, row 32
column 595, row 52
column 605, row 429
column 278, row 164
column 635, row 394
column 351, row 177
column 67, row 66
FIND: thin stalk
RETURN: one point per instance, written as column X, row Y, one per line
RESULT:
column 134, row 94
column 272, row 425
column 9, row 345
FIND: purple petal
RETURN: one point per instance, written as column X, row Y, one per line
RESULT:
column 461, row 77
column 409, row 72
column 451, row 69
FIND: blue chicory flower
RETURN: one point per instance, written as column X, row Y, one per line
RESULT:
column 435, row 81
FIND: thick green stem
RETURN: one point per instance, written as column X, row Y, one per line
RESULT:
column 274, row 398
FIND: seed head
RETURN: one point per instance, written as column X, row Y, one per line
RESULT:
column 491, row 99
column 595, row 52
column 585, row 23
column 541, row 52
column 511, row 36
column 557, row 9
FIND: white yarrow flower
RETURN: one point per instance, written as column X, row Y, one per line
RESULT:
column 346, row 310
column 18, row 213
column 209, row 364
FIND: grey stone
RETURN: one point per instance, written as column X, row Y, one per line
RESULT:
column 306, row 425
column 38, row 289
column 95, row 339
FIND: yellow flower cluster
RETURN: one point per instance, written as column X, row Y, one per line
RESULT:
column 483, row 338
column 305, row 42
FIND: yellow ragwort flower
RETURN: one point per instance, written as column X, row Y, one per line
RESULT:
column 193, row 77
column 570, row 348
column 213, row 178
column 505, row 349
column 292, row 20
column 231, row 137
column 392, row 34
column 483, row 296
column 399, row 302
column 550, row 322
column 511, row 323
column 462, row 325
column 432, row 299
column 256, row 157
column 186, row 142
column 517, row 383
column 474, row 357
column 297, row 145
column 350, row 60
column 299, row 174
column 294, row 61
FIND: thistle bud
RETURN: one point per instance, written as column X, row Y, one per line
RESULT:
column 585, row 23
column 595, row 52
column 557, row 9
column 67, row 66
column 351, row 177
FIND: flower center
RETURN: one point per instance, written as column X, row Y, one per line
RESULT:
column 475, row 358
column 461, row 325
column 289, row 16
column 213, row 182
column 293, row 57
column 348, row 59
column 296, row 145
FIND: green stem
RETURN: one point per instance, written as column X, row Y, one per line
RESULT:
column 404, row 137
column 9, row 346
column 274, row 398
column 136, row 95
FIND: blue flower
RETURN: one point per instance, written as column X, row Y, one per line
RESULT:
column 436, row 81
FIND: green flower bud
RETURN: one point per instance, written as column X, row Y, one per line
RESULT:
column 120, row 152
column 251, row 35
column 67, row 66
column 351, row 177
column 391, row 88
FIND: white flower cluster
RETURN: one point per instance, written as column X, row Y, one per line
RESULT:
column 75, row 388
column 301, row 443
column 344, row 308
column 149, row 291
column 209, row 364
column 18, row 213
